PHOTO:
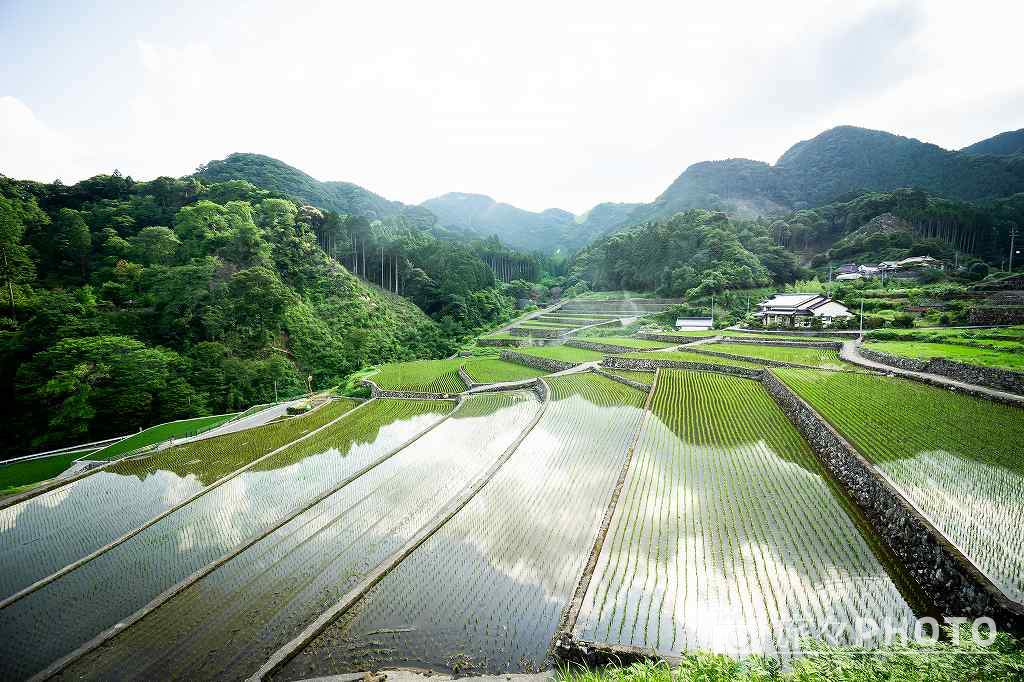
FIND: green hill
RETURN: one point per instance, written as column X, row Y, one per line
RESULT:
column 1003, row 144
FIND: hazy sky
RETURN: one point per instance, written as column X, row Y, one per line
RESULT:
column 537, row 104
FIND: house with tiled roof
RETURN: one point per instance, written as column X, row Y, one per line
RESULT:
column 800, row 310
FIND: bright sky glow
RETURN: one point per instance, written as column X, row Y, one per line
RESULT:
column 538, row 104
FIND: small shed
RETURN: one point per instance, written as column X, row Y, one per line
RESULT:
column 694, row 323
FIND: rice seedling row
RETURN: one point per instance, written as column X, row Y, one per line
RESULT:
column 430, row 376
column 1012, row 359
column 690, row 356
column 641, row 377
column 159, row 433
column 728, row 536
column 812, row 357
column 782, row 337
column 562, row 353
column 958, row 459
column 77, row 606
column 493, row 370
column 485, row 593
column 267, row 594
column 625, row 342
column 46, row 533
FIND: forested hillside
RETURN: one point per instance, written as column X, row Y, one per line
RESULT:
column 838, row 162
column 694, row 253
column 341, row 197
column 549, row 231
column 129, row 303
column 1004, row 144
column 700, row 252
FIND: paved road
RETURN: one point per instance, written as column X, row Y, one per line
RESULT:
column 255, row 419
column 851, row 353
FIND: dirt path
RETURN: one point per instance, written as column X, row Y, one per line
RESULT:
column 851, row 353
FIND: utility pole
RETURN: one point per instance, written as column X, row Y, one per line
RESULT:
column 862, row 314
column 276, row 400
column 712, row 311
column 1013, row 238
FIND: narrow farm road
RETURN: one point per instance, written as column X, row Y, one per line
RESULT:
column 851, row 353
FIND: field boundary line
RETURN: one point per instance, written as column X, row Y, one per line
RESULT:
column 43, row 582
column 184, row 584
column 313, row 630
column 575, row 605
column 55, row 483
column 919, row 555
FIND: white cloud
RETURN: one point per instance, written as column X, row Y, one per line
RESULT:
column 539, row 105
column 31, row 149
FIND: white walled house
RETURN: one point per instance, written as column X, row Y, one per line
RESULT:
column 799, row 310
column 694, row 323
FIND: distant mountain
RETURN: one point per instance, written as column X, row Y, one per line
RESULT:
column 549, row 231
column 838, row 162
column 343, row 197
column 1003, row 144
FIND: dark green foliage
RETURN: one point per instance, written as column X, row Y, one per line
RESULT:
column 130, row 304
column 694, row 253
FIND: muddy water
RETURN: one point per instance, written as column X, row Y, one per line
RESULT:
column 68, row 612
column 226, row 625
column 486, row 592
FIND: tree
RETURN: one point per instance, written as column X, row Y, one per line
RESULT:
column 16, row 267
column 74, row 241
column 154, row 245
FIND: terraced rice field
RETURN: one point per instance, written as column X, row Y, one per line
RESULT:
column 958, row 459
column 67, row 612
column 626, row 342
column 494, row 370
column 486, row 592
column 545, row 324
column 562, row 353
column 784, row 337
column 160, row 433
column 811, row 357
column 45, row 533
column 428, row 376
column 685, row 336
column 1012, row 359
column 690, row 356
column 226, row 624
column 728, row 532
column 642, row 377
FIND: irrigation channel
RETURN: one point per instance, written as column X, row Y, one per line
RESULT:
column 451, row 535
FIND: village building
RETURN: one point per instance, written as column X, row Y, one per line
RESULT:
column 690, row 324
column 800, row 310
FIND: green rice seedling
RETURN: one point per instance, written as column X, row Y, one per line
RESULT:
column 728, row 531
column 796, row 355
column 494, row 370
column 280, row 584
column 430, row 376
column 958, row 459
column 45, row 533
column 494, row 580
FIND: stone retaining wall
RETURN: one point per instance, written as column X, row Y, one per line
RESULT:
column 466, row 379
column 949, row 581
column 645, row 388
column 537, row 332
column 822, row 345
column 646, row 365
column 802, row 332
column 543, row 364
column 668, row 338
column 992, row 377
column 499, row 342
column 744, row 358
column 378, row 392
column 604, row 347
